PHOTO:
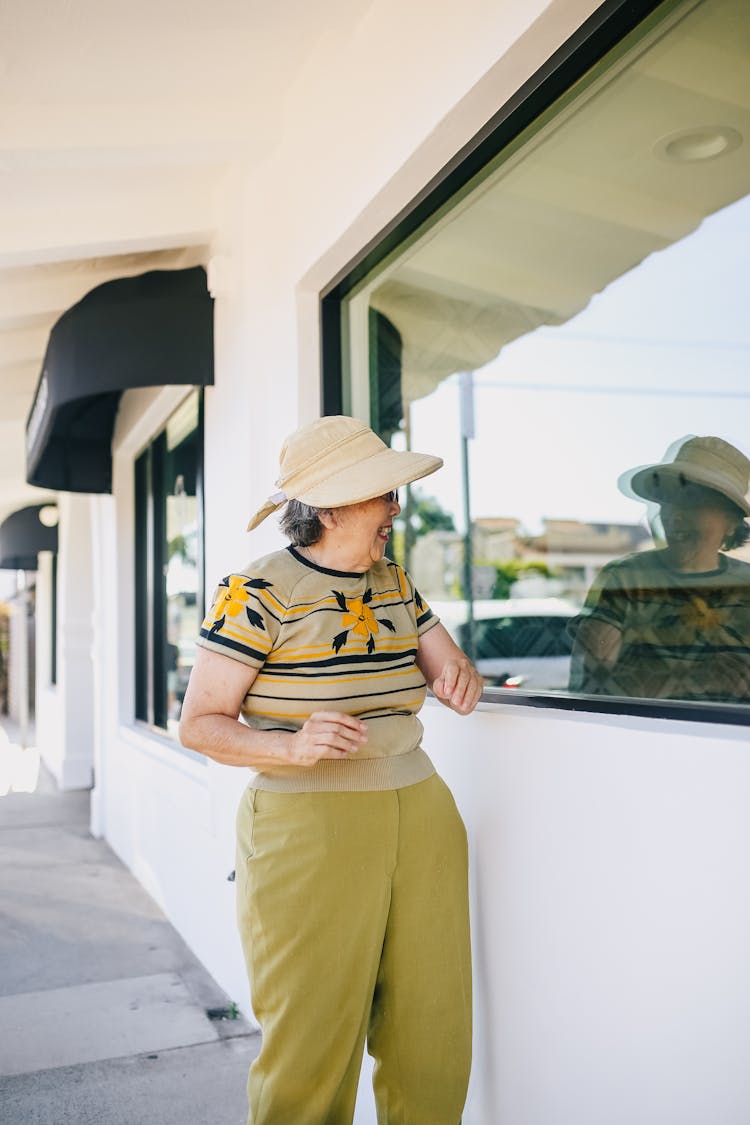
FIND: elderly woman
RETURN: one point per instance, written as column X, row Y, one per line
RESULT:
column 351, row 869
column 674, row 623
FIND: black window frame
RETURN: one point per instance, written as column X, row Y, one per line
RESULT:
column 600, row 33
column 150, row 573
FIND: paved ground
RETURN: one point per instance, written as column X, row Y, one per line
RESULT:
column 103, row 1008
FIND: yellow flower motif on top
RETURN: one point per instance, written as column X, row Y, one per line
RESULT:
column 232, row 598
column 698, row 614
column 360, row 618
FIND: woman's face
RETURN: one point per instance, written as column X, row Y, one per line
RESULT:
column 699, row 522
column 359, row 533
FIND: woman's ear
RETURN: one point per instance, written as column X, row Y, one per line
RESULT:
column 327, row 517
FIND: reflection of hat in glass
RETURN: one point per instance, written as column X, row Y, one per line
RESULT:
column 338, row 460
column 706, row 461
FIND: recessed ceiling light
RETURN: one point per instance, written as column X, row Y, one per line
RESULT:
column 704, row 143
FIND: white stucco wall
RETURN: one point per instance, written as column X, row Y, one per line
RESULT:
column 611, row 917
column 610, row 913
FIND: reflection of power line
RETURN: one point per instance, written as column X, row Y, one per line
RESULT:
column 636, row 341
column 572, row 388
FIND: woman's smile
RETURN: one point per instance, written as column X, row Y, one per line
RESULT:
column 695, row 533
column 357, row 535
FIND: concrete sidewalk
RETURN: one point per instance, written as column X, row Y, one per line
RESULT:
column 104, row 1011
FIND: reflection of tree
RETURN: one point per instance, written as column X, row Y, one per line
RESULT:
column 178, row 548
column 427, row 514
column 420, row 514
column 510, row 571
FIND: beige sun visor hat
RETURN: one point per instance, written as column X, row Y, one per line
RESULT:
column 707, row 461
column 338, row 460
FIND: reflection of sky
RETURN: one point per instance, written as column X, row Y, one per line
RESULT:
column 666, row 347
column 182, row 577
column 182, row 568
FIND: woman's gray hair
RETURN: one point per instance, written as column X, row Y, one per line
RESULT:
column 738, row 537
column 301, row 524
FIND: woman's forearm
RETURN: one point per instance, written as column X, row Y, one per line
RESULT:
column 232, row 743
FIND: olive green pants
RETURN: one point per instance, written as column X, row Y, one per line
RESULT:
column 353, row 913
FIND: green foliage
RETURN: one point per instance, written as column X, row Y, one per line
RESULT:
column 177, row 546
column 511, row 570
column 427, row 514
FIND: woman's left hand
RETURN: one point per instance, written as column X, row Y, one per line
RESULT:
column 459, row 686
column 450, row 674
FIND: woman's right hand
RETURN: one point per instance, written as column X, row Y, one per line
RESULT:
column 326, row 734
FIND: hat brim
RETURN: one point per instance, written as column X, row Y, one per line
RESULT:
column 384, row 471
column 374, row 476
column 659, row 482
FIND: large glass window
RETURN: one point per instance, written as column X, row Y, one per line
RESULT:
column 169, row 564
column 560, row 331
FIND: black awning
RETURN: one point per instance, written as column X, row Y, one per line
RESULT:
column 147, row 331
column 23, row 535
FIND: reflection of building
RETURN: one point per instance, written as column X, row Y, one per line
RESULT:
column 437, row 559
column 496, row 538
column 437, row 556
column 573, row 550
column 576, row 551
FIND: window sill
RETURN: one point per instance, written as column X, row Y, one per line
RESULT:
column 726, row 714
column 158, row 744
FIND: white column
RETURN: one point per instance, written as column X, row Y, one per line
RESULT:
column 106, row 649
column 47, row 697
column 18, row 658
column 67, row 749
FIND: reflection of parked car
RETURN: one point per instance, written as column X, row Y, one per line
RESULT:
column 517, row 641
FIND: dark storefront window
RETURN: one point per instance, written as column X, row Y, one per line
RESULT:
column 53, row 622
column 560, row 328
column 168, row 564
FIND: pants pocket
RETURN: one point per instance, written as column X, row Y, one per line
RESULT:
column 246, row 826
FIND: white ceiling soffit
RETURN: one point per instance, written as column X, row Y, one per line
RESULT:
column 588, row 199
column 116, row 126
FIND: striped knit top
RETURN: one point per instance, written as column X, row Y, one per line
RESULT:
column 684, row 635
column 328, row 640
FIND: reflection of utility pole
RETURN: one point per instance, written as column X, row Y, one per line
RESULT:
column 466, row 392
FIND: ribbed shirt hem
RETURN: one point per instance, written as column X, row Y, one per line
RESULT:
column 339, row 775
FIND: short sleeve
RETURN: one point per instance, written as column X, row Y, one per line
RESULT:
column 244, row 619
column 606, row 602
column 607, row 599
column 425, row 618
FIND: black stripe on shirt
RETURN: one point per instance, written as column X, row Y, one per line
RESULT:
column 332, row 661
column 300, row 670
column 217, row 638
column 336, row 698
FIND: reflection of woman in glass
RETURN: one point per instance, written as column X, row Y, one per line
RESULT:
column 674, row 623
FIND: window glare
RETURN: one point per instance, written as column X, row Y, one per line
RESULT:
column 169, row 565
